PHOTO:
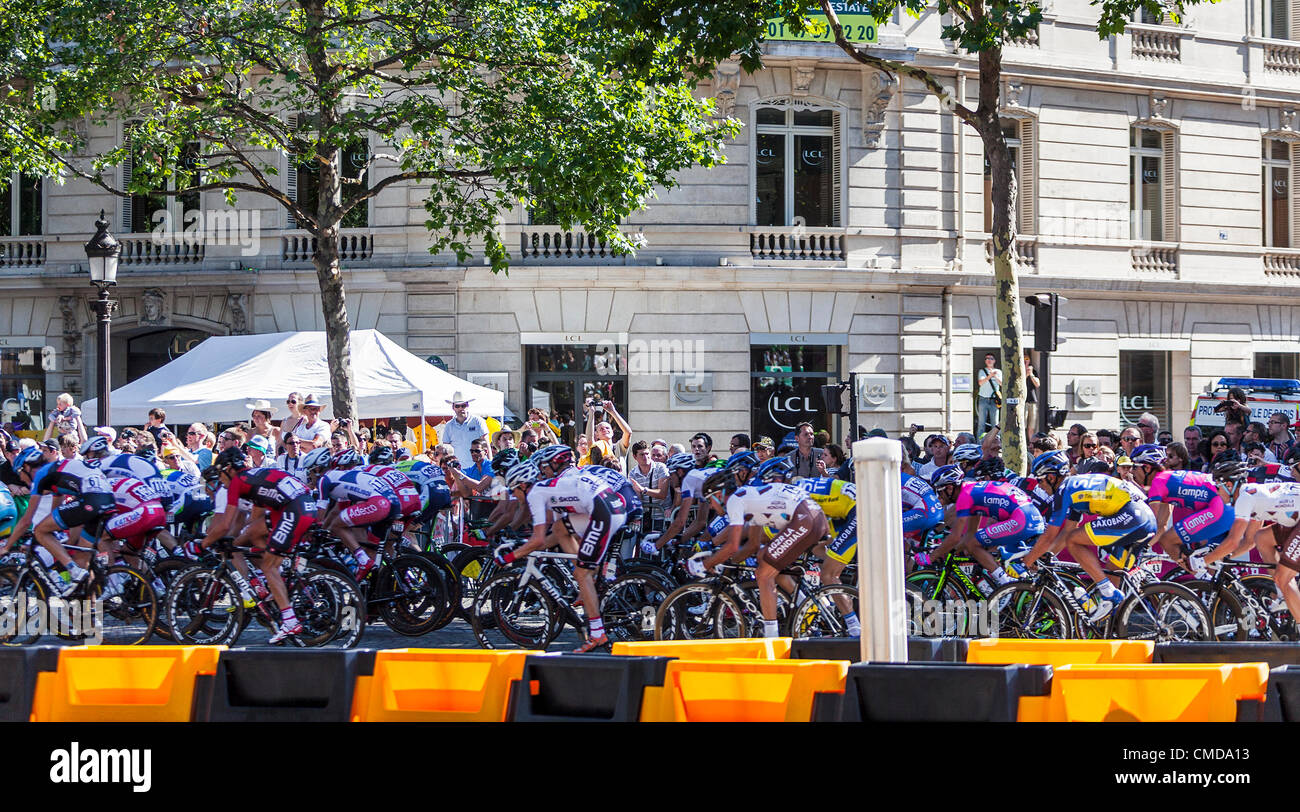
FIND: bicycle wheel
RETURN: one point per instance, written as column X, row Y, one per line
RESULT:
column 1163, row 612
column 415, row 596
column 931, row 608
column 330, row 608
column 520, row 616
column 784, row 607
column 204, row 608
column 820, row 615
column 1266, row 591
column 1228, row 620
column 451, row 586
column 1026, row 610
column 130, row 613
column 629, row 607
column 27, row 600
column 474, row 568
column 699, row 611
column 167, row 571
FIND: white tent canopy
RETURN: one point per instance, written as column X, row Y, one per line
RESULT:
column 214, row 381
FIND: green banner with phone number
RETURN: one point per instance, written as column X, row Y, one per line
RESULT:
column 857, row 28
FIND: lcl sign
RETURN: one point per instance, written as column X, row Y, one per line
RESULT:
column 690, row 392
column 875, row 393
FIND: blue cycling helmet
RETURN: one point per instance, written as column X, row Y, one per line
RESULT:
column 946, row 475
column 678, row 462
column 967, row 452
column 27, row 456
column 745, row 460
column 777, row 467
column 1050, row 462
column 1148, row 453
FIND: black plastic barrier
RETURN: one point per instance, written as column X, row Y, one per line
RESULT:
column 18, row 670
column 1282, row 704
column 584, row 688
column 933, row 692
column 919, row 649
column 276, row 685
column 1275, row 654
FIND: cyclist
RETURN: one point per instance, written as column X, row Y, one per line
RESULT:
column 680, row 467
column 1091, row 514
column 1201, row 518
column 191, row 503
column 788, row 510
column 409, row 501
column 589, row 515
column 1012, row 520
column 88, row 500
column 967, row 457
column 359, row 502
column 138, row 517
column 283, row 500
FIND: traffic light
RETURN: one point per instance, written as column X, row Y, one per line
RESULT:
column 1046, row 308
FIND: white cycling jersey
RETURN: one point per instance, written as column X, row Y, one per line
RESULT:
column 1269, row 501
column 572, row 492
column 694, row 480
column 765, row 505
column 353, row 485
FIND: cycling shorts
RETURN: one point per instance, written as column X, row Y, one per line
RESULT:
column 1011, row 533
column 193, row 510
column 1288, row 550
column 1132, row 524
column 606, row 519
column 806, row 529
column 84, row 511
column 374, row 510
column 844, row 539
column 287, row 526
column 409, row 502
column 135, row 526
column 1205, row 527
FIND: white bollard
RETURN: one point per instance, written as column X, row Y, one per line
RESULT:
column 877, row 466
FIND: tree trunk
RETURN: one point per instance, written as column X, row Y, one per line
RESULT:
column 1005, row 284
column 334, row 306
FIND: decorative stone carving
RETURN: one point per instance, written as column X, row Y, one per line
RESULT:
column 877, row 90
column 71, row 335
column 726, row 84
column 237, row 308
column 153, row 307
column 1288, row 122
column 1159, row 107
column 1013, row 92
column 801, row 77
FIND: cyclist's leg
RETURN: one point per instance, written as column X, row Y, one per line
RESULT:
column 604, row 522
column 1288, row 565
column 807, row 527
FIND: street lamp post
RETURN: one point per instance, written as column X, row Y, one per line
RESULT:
column 102, row 251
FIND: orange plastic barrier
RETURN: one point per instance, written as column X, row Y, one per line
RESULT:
column 745, row 648
column 1147, row 693
column 1056, row 653
column 122, row 683
column 742, row 690
column 438, row 685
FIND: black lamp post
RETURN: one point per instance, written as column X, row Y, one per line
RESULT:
column 102, row 251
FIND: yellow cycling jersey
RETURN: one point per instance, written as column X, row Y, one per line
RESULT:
column 1097, row 494
column 835, row 497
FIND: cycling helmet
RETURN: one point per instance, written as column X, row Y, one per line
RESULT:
column 946, row 475
column 348, row 458
column 718, row 482
column 147, row 453
column 1229, row 466
column 522, row 473
column 775, row 468
column 743, row 463
column 211, row 475
column 967, row 452
column 95, row 447
column 1148, row 454
column 382, row 455
column 1093, row 466
column 403, row 454
column 318, row 459
column 27, row 456
column 505, row 459
column 677, row 462
column 991, row 469
column 557, row 455
column 231, row 458
column 845, row 471
column 1292, row 455
column 1050, row 462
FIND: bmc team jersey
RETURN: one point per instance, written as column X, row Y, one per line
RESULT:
column 591, row 511
column 620, row 485
column 1277, row 502
column 839, row 501
column 1013, row 519
column 1270, row 472
column 1200, row 514
column 922, row 509
column 765, row 505
column 283, row 495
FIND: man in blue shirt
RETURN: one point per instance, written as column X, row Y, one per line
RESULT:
column 482, row 463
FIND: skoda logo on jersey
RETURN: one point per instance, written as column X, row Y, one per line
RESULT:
column 783, row 408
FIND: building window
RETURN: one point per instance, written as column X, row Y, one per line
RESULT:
column 1279, row 216
column 302, row 179
column 1281, row 18
column 1019, row 134
column 22, row 389
column 561, row 377
column 142, row 213
column 786, row 381
column 145, row 353
column 1153, row 188
column 1144, row 385
column 1141, row 15
column 1277, row 365
column 20, row 207
column 797, row 167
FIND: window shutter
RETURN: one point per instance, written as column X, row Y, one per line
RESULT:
column 127, row 166
column 291, row 174
column 1293, row 189
column 836, row 186
column 1169, row 187
column 1028, row 176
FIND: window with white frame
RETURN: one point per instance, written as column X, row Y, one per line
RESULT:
column 1278, row 197
column 303, row 178
column 1282, row 19
column 1020, row 137
column 20, row 206
column 1141, row 15
column 797, row 166
column 143, row 212
column 1153, row 185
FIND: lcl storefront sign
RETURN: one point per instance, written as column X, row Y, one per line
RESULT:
column 690, row 393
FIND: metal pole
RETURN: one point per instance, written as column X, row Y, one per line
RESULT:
column 104, row 309
column 881, row 607
column 853, row 407
column 1044, row 391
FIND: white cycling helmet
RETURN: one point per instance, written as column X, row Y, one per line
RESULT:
column 318, row 459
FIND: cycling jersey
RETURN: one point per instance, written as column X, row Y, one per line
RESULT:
column 1270, row 472
column 432, row 483
column 694, row 479
column 364, row 498
column 133, row 465
column 620, row 485
column 1013, row 519
column 284, row 496
column 838, row 500
column 766, row 505
column 1097, row 494
column 138, row 514
column 190, row 499
column 408, row 495
column 578, row 496
column 1200, row 514
column 92, row 497
column 922, row 509
column 1277, row 502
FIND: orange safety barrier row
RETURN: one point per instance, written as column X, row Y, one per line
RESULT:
column 748, row 648
column 1056, row 653
column 1147, row 693
column 742, row 690
column 438, row 685
column 122, row 683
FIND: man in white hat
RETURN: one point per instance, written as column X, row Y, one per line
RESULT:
column 462, row 430
column 313, row 431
